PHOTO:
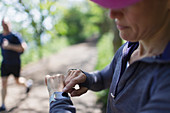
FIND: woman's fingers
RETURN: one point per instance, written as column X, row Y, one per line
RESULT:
column 70, row 84
column 79, row 92
column 74, row 80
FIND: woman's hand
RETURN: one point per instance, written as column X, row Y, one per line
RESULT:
column 73, row 78
column 54, row 83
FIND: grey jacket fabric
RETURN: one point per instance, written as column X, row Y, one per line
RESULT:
column 143, row 87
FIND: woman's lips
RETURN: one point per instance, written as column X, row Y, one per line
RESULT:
column 121, row 27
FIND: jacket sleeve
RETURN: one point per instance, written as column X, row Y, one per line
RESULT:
column 100, row 80
column 63, row 105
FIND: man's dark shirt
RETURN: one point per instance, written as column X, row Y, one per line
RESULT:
column 10, row 57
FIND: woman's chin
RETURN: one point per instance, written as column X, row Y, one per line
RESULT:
column 128, row 38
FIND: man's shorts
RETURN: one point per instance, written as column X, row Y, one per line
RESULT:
column 6, row 70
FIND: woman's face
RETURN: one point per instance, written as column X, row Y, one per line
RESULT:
column 142, row 20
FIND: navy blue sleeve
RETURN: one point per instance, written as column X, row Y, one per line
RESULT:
column 63, row 105
column 100, row 80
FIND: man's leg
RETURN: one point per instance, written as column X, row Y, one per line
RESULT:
column 4, row 92
column 23, row 82
column 20, row 81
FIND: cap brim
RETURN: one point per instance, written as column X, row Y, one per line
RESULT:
column 115, row 4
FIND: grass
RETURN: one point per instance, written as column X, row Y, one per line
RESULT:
column 105, row 55
column 105, row 51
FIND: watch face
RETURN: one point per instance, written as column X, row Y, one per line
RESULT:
column 58, row 95
column 64, row 94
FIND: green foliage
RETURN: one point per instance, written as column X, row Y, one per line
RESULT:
column 70, row 26
column 78, row 23
column 105, row 51
column 105, row 55
column 34, row 18
column 62, row 28
column 93, row 17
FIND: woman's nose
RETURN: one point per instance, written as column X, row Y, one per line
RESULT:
column 115, row 14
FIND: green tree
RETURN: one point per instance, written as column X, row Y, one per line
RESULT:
column 43, row 9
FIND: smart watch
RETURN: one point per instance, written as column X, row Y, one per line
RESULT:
column 58, row 95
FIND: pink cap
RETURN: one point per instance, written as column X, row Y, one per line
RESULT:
column 115, row 4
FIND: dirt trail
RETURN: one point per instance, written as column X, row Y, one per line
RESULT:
column 82, row 56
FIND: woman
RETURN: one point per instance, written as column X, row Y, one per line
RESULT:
column 139, row 75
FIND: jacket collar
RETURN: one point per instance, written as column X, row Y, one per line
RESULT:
column 130, row 47
column 166, row 54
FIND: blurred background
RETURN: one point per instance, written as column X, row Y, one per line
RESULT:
column 48, row 26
